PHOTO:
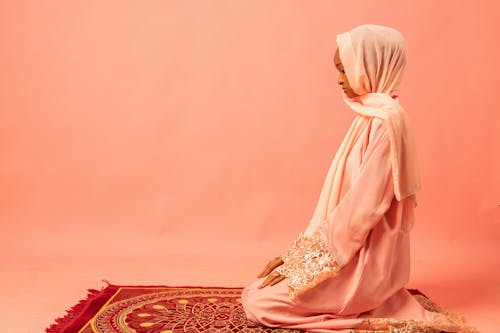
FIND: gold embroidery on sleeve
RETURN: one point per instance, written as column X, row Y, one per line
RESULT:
column 306, row 263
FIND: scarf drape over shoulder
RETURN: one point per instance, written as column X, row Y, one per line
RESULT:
column 374, row 58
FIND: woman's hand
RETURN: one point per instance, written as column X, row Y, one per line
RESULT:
column 273, row 278
column 271, row 265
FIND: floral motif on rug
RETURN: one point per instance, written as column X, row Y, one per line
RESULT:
column 161, row 309
column 189, row 310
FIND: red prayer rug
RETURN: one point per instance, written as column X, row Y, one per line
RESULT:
column 162, row 309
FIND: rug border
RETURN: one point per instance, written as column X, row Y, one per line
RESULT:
column 80, row 313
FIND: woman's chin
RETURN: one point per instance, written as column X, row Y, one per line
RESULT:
column 349, row 94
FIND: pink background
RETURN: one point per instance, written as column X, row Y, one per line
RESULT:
column 186, row 142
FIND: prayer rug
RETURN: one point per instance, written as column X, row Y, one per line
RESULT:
column 162, row 309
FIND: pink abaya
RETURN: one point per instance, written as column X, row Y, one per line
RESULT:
column 349, row 268
column 371, row 284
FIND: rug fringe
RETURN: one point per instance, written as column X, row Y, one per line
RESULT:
column 93, row 298
column 62, row 322
column 107, row 283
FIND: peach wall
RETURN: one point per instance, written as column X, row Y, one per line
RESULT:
column 137, row 128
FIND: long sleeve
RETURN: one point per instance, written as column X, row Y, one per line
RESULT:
column 312, row 259
column 364, row 203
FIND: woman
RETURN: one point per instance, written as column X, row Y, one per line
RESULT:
column 348, row 269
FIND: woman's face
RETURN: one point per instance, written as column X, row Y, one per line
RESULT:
column 342, row 77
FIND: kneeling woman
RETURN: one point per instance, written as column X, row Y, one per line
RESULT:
column 348, row 269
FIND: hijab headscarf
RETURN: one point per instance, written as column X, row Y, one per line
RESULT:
column 374, row 58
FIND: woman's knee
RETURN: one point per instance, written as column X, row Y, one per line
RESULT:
column 261, row 306
column 249, row 303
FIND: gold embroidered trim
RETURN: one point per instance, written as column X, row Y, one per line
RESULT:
column 306, row 263
column 441, row 323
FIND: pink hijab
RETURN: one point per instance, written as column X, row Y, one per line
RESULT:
column 374, row 58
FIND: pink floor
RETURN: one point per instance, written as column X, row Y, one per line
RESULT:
column 35, row 291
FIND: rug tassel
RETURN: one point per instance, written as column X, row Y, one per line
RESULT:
column 62, row 322
column 107, row 282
